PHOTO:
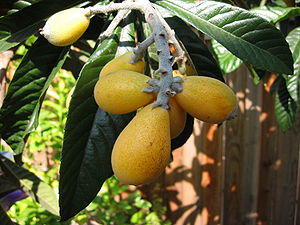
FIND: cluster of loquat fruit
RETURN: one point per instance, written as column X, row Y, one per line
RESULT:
column 142, row 150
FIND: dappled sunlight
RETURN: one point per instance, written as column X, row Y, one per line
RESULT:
column 207, row 179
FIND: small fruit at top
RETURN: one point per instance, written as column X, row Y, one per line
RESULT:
column 65, row 27
column 121, row 92
column 206, row 99
column 122, row 62
column 177, row 118
column 142, row 150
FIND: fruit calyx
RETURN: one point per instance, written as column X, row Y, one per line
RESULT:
column 165, row 87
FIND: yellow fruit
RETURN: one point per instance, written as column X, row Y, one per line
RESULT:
column 122, row 62
column 206, row 99
column 65, row 27
column 177, row 118
column 142, row 150
column 121, row 92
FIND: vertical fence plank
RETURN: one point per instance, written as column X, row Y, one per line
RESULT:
column 286, row 168
column 242, row 153
column 243, row 173
column 279, row 170
column 268, row 148
column 212, row 171
column 193, row 180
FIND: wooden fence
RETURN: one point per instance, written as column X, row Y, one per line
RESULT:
column 244, row 172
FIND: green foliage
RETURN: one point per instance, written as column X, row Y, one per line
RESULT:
column 119, row 205
column 288, row 95
column 20, row 110
column 241, row 32
column 48, row 137
column 32, row 185
column 82, row 135
column 227, row 61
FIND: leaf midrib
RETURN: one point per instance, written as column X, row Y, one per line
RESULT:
column 191, row 15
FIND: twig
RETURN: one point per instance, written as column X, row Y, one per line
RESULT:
column 162, row 33
column 139, row 50
column 114, row 23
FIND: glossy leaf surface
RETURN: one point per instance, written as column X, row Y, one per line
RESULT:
column 244, row 34
column 292, row 82
column 20, row 109
column 228, row 62
column 276, row 14
column 89, row 135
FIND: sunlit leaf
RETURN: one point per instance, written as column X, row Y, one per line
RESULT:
column 20, row 109
column 33, row 186
column 292, row 82
column 276, row 14
column 247, row 36
column 228, row 62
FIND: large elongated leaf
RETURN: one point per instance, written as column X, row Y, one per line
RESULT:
column 20, row 109
column 292, row 82
column 16, row 27
column 285, row 106
column 275, row 14
column 32, row 185
column 246, row 35
column 89, row 136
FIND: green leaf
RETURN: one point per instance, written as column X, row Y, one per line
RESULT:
column 89, row 136
column 247, row 36
column 285, row 106
column 20, row 4
column 127, row 38
column 18, row 26
column 292, row 82
column 204, row 62
column 275, row 14
column 5, row 220
column 227, row 61
column 33, row 186
column 92, row 166
column 20, row 109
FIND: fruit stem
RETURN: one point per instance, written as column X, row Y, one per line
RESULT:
column 162, row 33
column 113, row 24
column 142, row 46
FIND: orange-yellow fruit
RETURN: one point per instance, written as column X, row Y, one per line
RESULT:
column 206, row 99
column 142, row 150
column 177, row 118
column 122, row 62
column 65, row 27
column 121, row 92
